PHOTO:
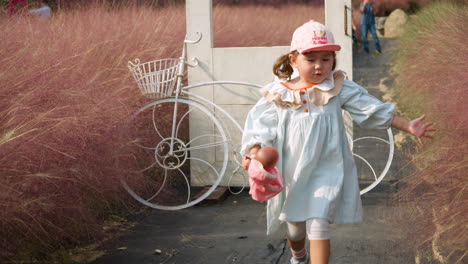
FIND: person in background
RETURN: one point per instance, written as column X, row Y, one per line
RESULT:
column 44, row 12
column 368, row 10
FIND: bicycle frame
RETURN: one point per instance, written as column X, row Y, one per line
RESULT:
column 180, row 76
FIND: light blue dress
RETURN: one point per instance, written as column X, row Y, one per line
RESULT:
column 306, row 127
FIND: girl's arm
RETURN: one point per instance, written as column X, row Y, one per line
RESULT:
column 415, row 127
column 260, row 128
column 253, row 151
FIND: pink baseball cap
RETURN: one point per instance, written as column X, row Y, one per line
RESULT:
column 313, row 36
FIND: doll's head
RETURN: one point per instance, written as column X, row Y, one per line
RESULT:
column 311, row 42
column 268, row 157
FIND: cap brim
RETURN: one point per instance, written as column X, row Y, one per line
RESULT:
column 322, row 48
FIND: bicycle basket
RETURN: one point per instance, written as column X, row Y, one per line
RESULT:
column 155, row 79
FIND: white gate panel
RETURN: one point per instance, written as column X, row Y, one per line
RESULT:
column 246, row 64
column 338, row 18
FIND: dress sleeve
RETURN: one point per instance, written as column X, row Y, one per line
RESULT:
column 260, row 126
column 366, row 110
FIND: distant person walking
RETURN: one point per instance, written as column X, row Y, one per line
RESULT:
column 44, row 12
column 368, row 10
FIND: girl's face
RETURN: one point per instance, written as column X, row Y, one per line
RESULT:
column 314, row 66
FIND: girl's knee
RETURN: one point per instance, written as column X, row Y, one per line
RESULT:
column 296, row 231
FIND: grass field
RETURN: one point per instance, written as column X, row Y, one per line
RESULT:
column 432, row 80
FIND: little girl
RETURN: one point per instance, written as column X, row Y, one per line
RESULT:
column 302, row 119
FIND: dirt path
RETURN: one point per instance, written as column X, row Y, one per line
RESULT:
column 233, row 231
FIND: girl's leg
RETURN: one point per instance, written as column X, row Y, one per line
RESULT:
column 296, row 234
column 297, row 245
column 319, row 251
column 319, row 236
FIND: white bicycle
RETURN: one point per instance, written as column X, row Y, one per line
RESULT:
column 162, row 152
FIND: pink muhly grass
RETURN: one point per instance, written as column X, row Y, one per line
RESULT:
column 433, row 81
column 65, row 89
column 268, row 2
column 241, row 26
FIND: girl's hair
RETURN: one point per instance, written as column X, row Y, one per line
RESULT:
column 282, row 66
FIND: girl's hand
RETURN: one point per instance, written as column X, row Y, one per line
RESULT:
column 420, row 129
column 246, row 163
column 246, row 159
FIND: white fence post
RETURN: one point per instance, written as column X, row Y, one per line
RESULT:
column 338, row 18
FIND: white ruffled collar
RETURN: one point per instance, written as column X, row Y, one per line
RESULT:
column 318, row 94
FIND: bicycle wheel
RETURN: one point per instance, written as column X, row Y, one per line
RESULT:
column 373, row 154
column 157, row 169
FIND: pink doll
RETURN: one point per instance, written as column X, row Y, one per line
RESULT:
column 264, row 178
